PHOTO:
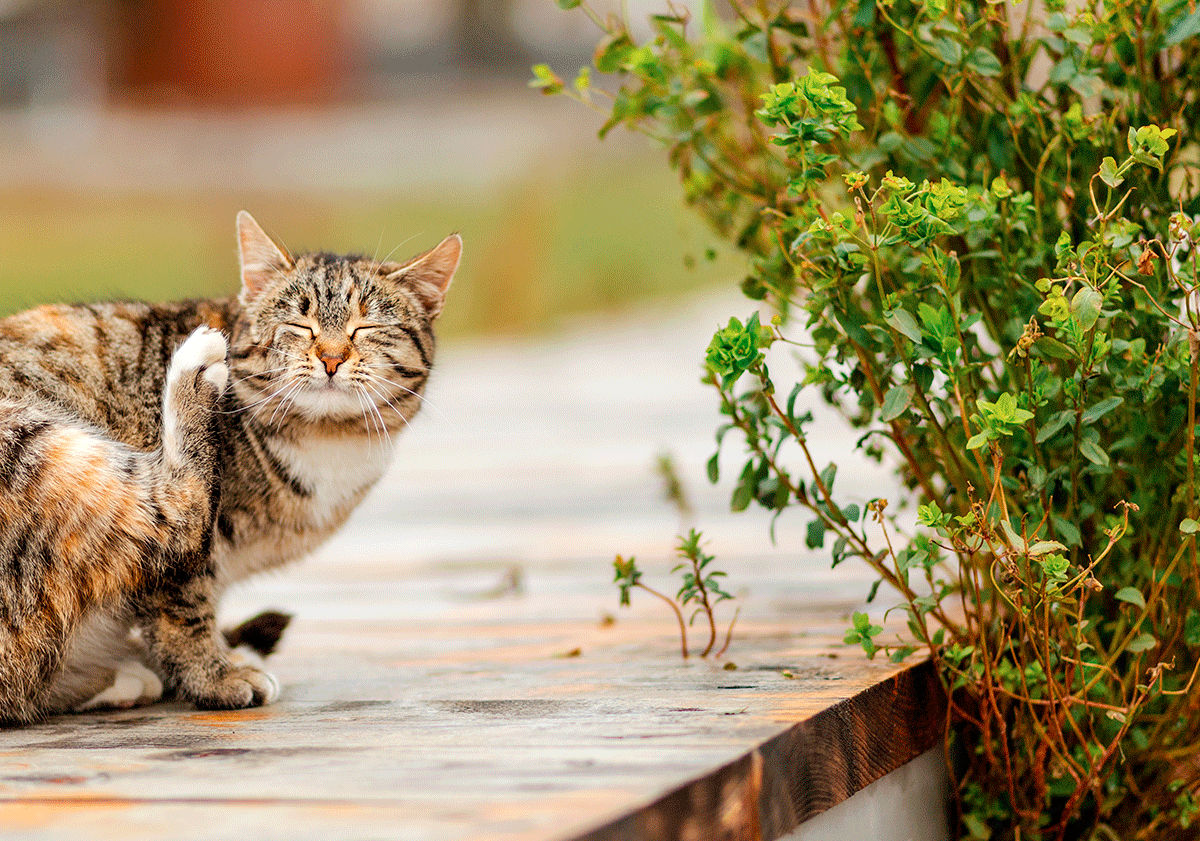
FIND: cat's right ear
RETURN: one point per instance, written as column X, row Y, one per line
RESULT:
column 262, row 259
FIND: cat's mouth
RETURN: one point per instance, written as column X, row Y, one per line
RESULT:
column 333, row 397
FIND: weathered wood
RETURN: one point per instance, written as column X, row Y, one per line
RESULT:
column 800, row 773
column 448, row 674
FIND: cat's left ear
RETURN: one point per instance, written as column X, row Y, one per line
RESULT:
column 429, row 274
column 263, row 260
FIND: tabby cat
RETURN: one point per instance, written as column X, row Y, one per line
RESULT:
column 151, row 455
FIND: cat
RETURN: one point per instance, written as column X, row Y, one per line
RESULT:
column 151, row 455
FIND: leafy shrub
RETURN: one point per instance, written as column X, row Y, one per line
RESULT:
column 976, row 222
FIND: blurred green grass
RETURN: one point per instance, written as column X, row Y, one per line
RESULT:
column 591, row 237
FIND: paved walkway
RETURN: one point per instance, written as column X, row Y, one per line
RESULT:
column 448, row 675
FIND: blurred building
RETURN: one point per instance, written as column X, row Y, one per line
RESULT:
column 239, row 53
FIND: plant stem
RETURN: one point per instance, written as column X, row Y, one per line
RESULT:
column 678, row 616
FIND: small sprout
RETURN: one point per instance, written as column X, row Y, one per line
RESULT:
column 854, row 180
column 863, row 633
column 546, row 80
column 701, row 590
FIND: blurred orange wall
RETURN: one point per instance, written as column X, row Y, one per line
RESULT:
column 234, row 53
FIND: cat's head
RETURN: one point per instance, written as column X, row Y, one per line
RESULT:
column 327, row 337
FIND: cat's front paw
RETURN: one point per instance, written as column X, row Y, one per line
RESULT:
column 245, row 686
column 202, row 353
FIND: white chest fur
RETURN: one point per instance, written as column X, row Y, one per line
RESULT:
column 336, row 470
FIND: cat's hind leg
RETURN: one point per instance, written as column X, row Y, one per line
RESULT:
column 133, row 685
column 103, row 667
column 87, row 523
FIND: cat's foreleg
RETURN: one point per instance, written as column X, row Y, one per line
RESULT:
column 177, row 614
column 180, row 630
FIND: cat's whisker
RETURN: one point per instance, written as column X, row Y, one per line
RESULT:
column 389, row 404
column 371, row 371
column 257, row 403
column 398, row 245
column 368, row 404
column 289, row 355
column 285, row 401
column 379, row 417
column 378, row 245
column 384, row 380
column 362, row 408
column 265, row 373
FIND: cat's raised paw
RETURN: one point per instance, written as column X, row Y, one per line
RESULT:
column 202, row 352
column 242, row 687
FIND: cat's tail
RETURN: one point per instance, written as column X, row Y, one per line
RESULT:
column 260, row 633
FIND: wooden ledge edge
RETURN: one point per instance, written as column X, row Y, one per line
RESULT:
column 813, row 765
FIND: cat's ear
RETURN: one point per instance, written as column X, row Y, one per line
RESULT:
column 429, row 274
column 262, row 259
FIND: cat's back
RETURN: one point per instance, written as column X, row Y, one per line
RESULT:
column 104, row 363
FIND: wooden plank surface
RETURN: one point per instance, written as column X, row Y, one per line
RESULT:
column 450, row 674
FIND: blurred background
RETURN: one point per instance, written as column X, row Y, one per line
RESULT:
column 132, row 131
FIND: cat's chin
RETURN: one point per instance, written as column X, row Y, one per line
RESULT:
column 327, row 401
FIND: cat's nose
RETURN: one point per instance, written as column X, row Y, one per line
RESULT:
column 332, row 361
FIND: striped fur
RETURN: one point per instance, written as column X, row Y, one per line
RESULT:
column 135, row 485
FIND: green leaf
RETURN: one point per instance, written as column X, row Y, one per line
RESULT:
column 815, row 536
column 828, row 475
column 568, row 4
column 1053, row 348
column 1191, row 628
column 1056, row 423
column 896, row 402
column 948, row 51
column 976, row 828
column 1067, row 530
column 977, row 441
column 984, row 62
column 1093, row 452
column 743, row 493
column 584, row 80
column 1108, row 173
column 1094, row 413
column 1142, row 642
column 902, row 322
column 1085, row 306
column 714, row 468
column 791, row 401
column 1189, row 526
column 1183, row 29
column 546, row 79
column 1132, row 595
column 611, row 52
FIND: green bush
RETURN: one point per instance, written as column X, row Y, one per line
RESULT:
column 975, row 222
